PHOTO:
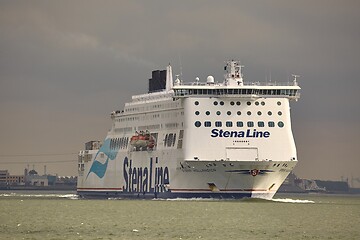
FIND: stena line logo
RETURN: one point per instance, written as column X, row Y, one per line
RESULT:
column 215, row 133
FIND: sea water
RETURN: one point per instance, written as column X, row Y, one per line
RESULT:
column 61, row 215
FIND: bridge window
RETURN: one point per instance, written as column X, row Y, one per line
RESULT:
column 250, row 124
column 261, row 124
column 229, row 124
column 218, row 124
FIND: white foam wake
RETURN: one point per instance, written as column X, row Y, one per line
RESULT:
column 289, row 200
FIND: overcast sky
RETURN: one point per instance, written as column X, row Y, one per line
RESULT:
column 65, row 65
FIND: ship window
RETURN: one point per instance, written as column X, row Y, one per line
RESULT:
column 257, row 103
column 261, row 124
column 196, row 103
column 271, row 124
column 229, row 124
column 197, row 124
column 197, row 112
column 207, row 113
column 279, row 113
column 248, row 113
column 218, row 113
column 218, row 124
column 239, row 113
column 215, row 103
column 228, row 113
column 269, row 113
column 232, row 103
column 174, row 139
column 165, row 140
column 263, row 103
column 250, row 124
column 281, row 124
column 169, row 142
column 259, row 113
column 239, row 124
column 279, row 103
column 238, row 103
column 207, row 124
column 222, row 103
column 248, row 103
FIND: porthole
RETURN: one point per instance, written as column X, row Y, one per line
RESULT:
column 196, row 103
column 238, row 103
column 197, row 124
column 215, row 103
column 259, row 113
column 232, row 103
column 279, row 113
column 263, row 103
column 248, row 103
column 248, row 113
column 271, row 124
column 281, row 124
column 207, row 113
column 257, row 103
column 218, row 113
column 239, row 113
column 239, row 124
column 250, row 124
column 197, row 112
column 279, row 103
column 269, row 113
column 222, row 103
column 228, row 113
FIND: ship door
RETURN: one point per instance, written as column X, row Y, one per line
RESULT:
column 242, row 153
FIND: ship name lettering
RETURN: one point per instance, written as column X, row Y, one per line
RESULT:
column 145, row 179
column 239, row 134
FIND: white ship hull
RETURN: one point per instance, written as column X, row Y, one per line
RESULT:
column 225, row 140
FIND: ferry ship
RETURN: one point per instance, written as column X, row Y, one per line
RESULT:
column 204, row 139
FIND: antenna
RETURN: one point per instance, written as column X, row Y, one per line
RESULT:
column 180, row 66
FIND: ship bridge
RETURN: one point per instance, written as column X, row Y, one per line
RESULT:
column 234, row 86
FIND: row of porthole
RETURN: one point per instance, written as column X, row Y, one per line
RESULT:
column 238, row 113
column 239, row 124
column 238, row 103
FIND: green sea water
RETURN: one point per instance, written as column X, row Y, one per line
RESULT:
column 31, row 215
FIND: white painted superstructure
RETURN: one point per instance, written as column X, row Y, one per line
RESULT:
column 204, row 139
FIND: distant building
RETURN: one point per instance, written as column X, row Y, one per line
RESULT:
column 7, row 179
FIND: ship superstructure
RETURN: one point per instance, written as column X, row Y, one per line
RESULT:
column 228, row 139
